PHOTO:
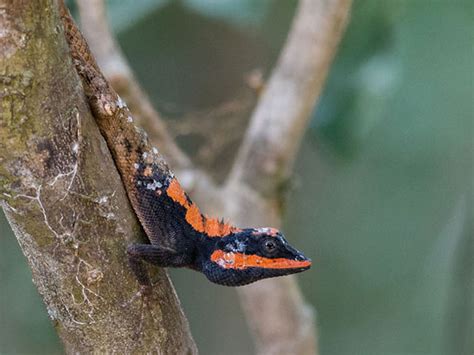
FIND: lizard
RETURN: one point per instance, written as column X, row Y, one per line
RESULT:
column 179, row 234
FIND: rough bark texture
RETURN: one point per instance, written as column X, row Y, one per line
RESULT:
column 65, row 201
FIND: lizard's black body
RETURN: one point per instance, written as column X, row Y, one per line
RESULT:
column 225, row 254
column 179, row 234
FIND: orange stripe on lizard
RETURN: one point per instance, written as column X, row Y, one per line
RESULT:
column 211, row 226
column 194, row 217
column 176, row 193
column 241, row 261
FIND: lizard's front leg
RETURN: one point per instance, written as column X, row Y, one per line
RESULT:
column 157, row 255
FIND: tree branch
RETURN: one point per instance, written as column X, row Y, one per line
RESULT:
column 64, row 214
column 279, row 121
column 275, row 309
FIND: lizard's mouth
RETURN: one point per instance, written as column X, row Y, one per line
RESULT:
column 239, row 261
column 299, row 262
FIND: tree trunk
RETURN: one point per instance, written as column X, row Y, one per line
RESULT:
column 60, row 191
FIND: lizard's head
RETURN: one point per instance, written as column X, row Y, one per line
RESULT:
column 252, row 254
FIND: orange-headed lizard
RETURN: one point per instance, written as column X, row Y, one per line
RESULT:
column 179, row 234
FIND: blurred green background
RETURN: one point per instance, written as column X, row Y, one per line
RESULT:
column 382, row 198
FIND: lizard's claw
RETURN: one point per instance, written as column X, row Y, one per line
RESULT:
column 144, row 294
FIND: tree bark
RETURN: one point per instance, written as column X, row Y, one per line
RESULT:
column 65, row 201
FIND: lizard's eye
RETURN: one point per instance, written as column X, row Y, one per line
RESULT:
column 269, row 246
